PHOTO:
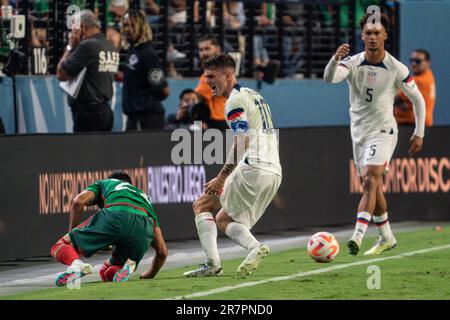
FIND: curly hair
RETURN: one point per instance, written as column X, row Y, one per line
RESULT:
column 384, row 19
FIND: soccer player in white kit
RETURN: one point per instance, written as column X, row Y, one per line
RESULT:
column 374, row 77
column 248, row 181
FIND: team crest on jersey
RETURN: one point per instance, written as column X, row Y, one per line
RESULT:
column 371, row 77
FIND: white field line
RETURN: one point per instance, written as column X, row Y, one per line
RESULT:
column 286, row 243
column 307, row 273
column 234, row 251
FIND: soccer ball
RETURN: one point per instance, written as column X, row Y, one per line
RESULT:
column 323, row 247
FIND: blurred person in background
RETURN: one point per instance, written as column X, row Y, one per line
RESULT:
column 234, row 15
column 38, row 10
column 191, row 108
column 153, row 11
column 266, row 69
column 89, row 48
column 264, row 20
column 177, row 12
column 209, row 46
column 116, row 9
column 423, row 76
column 144, row 81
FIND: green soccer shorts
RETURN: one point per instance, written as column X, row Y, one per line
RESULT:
column 130, row 235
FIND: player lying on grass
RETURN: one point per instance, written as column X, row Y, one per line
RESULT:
column 248, row 181
column 374, row 77
column 126, row 221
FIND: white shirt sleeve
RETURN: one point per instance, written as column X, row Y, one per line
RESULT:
column 407, row 84
column 236, row 115
column 336, row 71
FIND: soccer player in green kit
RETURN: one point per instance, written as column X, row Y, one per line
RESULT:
column 126, row 220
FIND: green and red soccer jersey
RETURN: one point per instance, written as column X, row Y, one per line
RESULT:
column 122, row 196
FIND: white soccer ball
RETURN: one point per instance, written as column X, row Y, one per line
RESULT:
column 323, row 247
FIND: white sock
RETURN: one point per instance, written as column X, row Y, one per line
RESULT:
column 207, row 233
column 76, row 265
column 240, row 234
column 382, row 223
column 362, row 223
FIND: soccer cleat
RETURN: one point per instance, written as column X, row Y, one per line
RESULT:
column 381, row 246
column 126, row 272
column 204, row 270
column 74, row 272
column 252, row 260
column 353, row 246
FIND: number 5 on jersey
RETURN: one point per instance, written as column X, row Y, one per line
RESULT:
column 369, row 94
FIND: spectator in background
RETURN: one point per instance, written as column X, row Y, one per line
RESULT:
column 210, row 13
column 234, row 19
column 233, row 15
column 177, row 12
column 144, row 81
column 292, row 42
column 12, row 3
column 266, row 68
column 264, row 20
column 423, row 76
column 190, row 108
column 89, row 48
column 177, row 17
column 209, row 46
column 153, row 11
column 116, row 10
column 39, row 10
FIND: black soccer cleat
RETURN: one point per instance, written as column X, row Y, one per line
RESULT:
column 353, row 247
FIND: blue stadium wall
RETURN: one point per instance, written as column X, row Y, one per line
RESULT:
column 295, row 103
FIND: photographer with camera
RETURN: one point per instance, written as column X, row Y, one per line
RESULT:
column 190, row 108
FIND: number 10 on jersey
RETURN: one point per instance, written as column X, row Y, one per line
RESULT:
column 266, row 115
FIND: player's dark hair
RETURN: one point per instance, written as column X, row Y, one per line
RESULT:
column 424, row 52
column 120, row 175
column 219, row 61
column 384, row 19
column 186, row 91
column 210, row 37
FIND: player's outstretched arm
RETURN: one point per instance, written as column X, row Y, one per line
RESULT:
column 335, row 71
column 83, row 199
column 161, row 255
column 412, row 92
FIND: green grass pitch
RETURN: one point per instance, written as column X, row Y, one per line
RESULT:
column 421, row 276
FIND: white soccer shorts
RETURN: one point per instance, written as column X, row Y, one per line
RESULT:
column 247, row 193
column 376, row 149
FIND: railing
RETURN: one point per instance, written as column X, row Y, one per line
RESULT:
column 300, row 35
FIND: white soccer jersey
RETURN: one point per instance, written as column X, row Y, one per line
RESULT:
column 372, row 92
column 247, row 112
